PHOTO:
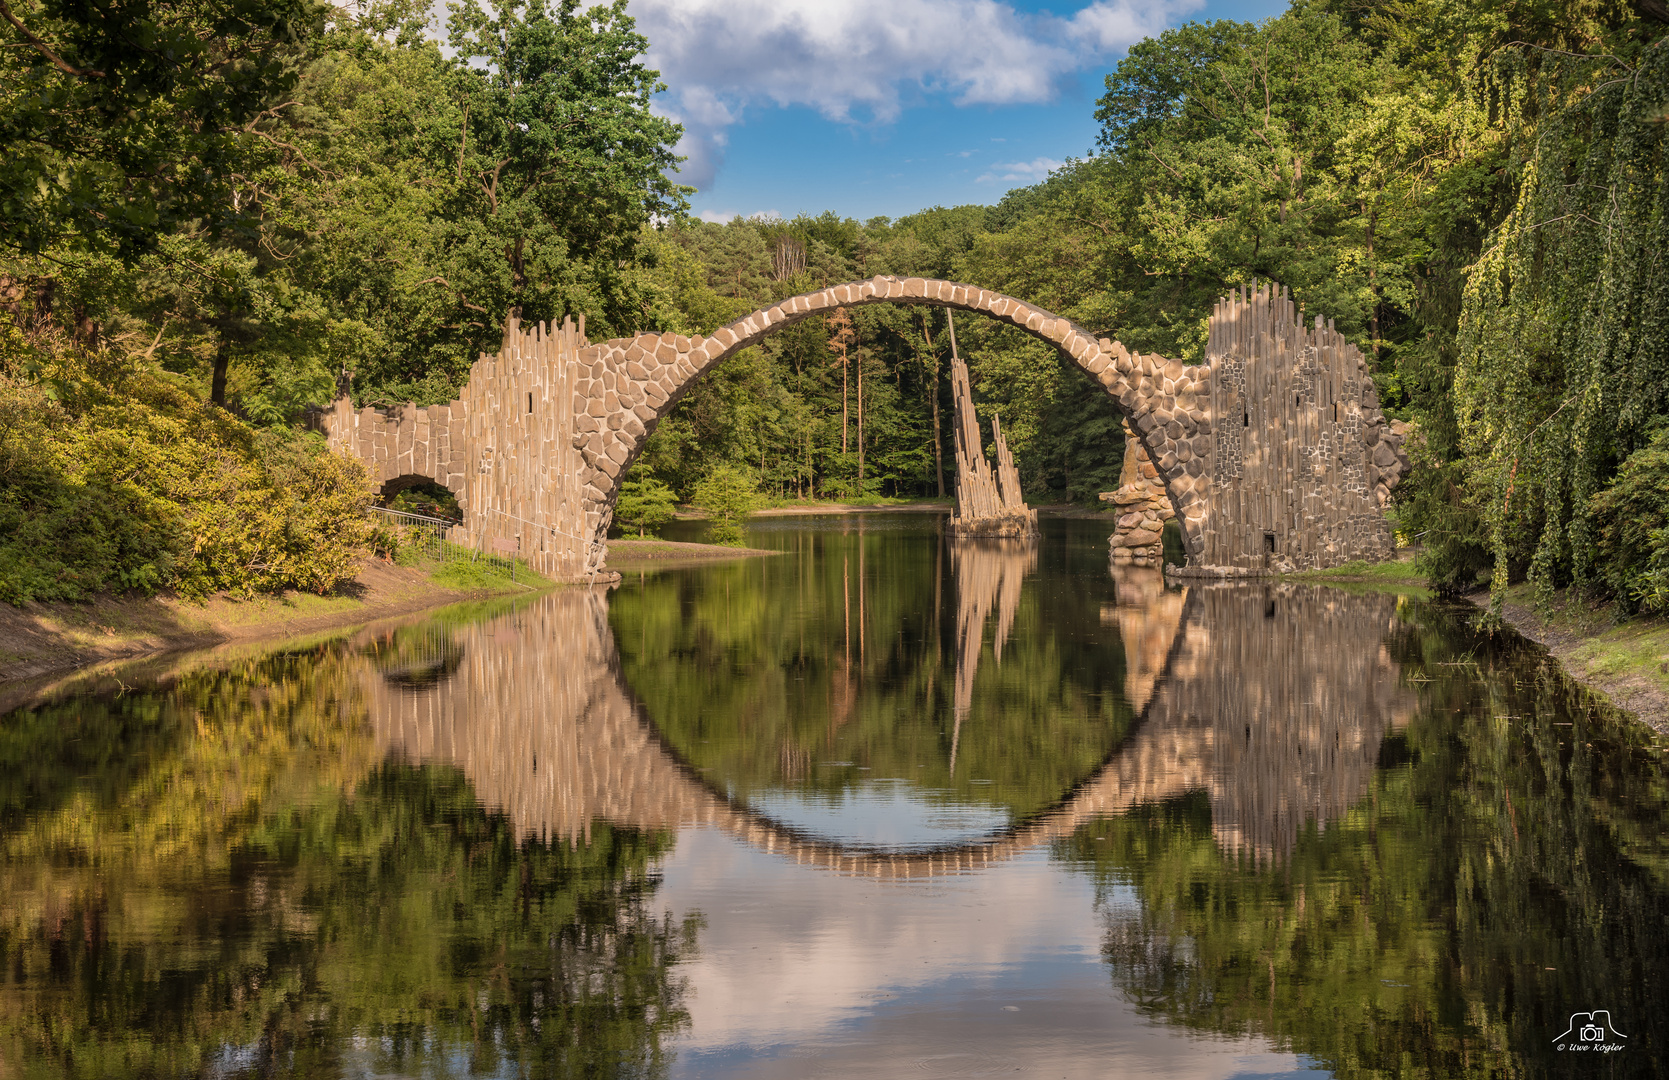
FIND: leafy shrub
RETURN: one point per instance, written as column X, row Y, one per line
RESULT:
column 728, row 494
column 126, row 481
column 1632, row 516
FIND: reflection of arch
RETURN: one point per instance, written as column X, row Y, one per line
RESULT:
column 540, row 719
column 542, row 432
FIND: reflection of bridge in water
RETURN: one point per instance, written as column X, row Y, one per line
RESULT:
column 1273, row 699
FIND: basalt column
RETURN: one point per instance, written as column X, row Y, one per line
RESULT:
column 988, row 503
column 1303, row 460
column 507, row 448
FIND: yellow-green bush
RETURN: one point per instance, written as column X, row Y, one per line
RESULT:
column 118, row 479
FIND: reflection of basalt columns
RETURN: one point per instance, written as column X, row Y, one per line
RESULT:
column 1148, row 615
column 1274, row 703
column 1143, row 509
column 1289, row 691
column 989, row 572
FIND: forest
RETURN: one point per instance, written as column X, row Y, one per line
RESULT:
column 213, row 212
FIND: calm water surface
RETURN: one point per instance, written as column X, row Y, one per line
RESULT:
column 878, row 806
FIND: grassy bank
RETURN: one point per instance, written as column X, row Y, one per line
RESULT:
column 42, row 638
column 1625, row 659
column 1399, row 576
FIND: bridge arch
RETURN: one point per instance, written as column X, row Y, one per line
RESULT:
column 1274, row 453
column 629, row 384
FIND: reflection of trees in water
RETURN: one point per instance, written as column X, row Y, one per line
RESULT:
column 216, row 876
column 1505, row 866
column 843, row 650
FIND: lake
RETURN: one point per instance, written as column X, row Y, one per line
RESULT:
column 881, row 805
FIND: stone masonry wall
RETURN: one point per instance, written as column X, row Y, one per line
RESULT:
column 1143, row 509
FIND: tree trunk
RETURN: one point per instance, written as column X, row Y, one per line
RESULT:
column 222, row 361
column 933, row 397
column 845, row 366
column 860, row 425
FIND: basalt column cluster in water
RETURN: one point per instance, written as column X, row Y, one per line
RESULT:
column 988, row 501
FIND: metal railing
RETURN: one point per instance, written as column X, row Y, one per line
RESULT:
column 427, row 537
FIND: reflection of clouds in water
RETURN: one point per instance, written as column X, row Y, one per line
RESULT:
column 803, row 973
column 881, row 813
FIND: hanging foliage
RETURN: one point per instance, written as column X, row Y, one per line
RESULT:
column 1564, row 332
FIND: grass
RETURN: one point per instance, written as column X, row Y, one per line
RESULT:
column 1398, row 576
column 459, row 571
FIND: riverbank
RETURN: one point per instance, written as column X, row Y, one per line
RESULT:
column 799, row 508
column 48, row 639
column 1626, row 662
column 623, row 553
column 1398, row 575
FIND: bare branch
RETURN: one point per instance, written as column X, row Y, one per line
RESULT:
column 46, row 50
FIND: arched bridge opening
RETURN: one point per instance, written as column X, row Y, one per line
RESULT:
column 1274, row 452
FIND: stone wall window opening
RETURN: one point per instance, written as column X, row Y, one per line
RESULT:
column 1269, row 543
column 1245, row 418
column 530, row 401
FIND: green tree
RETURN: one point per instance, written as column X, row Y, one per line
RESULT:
column 644, row 504
column 122, row 119
column 729, row 494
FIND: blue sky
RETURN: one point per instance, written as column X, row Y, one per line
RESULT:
column 883, row 107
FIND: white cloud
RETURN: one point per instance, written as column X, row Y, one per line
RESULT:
column 1020, row 172
column 862, row 61
column 725, row 217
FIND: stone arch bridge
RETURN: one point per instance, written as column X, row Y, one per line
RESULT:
column 1272, row 700
column 1274, row 452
